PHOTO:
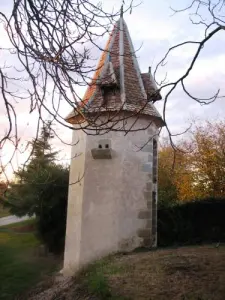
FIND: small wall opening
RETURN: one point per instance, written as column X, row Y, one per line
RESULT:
column 102, row 149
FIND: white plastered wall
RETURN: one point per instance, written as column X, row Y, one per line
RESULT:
column 75, row 203
column 103, row 208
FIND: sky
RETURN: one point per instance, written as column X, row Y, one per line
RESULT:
column 153, row 29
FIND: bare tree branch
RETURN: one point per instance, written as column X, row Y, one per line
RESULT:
column 214, row 23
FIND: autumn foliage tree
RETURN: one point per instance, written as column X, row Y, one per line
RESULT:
column 199, row 168
column 3, row 188
column 207, row 159
column 167, row 193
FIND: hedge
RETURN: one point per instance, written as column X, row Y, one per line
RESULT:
column 195, row 222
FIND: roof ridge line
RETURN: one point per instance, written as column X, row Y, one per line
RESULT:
column 135, row 61
column 121, row 59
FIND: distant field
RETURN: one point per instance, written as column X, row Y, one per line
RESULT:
column 21, row 267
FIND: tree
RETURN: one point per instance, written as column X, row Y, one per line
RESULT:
column 175, row 176
column 41, row 189
column 199, row 168
column 207, row 159
column 3, row 187
column 167, row 190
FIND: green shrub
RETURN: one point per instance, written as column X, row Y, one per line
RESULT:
column 46, row 198
column 41, row 190
column 51, row 218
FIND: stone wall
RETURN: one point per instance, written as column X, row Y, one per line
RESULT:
column 114, row 200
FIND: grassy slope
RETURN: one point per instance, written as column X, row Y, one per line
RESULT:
column 190, row 273
column 21, row 267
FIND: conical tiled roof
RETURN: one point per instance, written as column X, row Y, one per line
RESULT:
column 118, row 83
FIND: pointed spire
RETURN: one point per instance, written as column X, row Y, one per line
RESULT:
column 121, row 11
column 119, row 70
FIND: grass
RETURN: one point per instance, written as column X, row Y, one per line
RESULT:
column 21, row 266
column 95, row 279
column 186, row 273
column 4, row 212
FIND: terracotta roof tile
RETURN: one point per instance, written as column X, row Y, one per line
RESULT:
column 92, row 87
column 118, row 67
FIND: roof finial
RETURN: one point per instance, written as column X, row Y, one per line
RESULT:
column 121, row 11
